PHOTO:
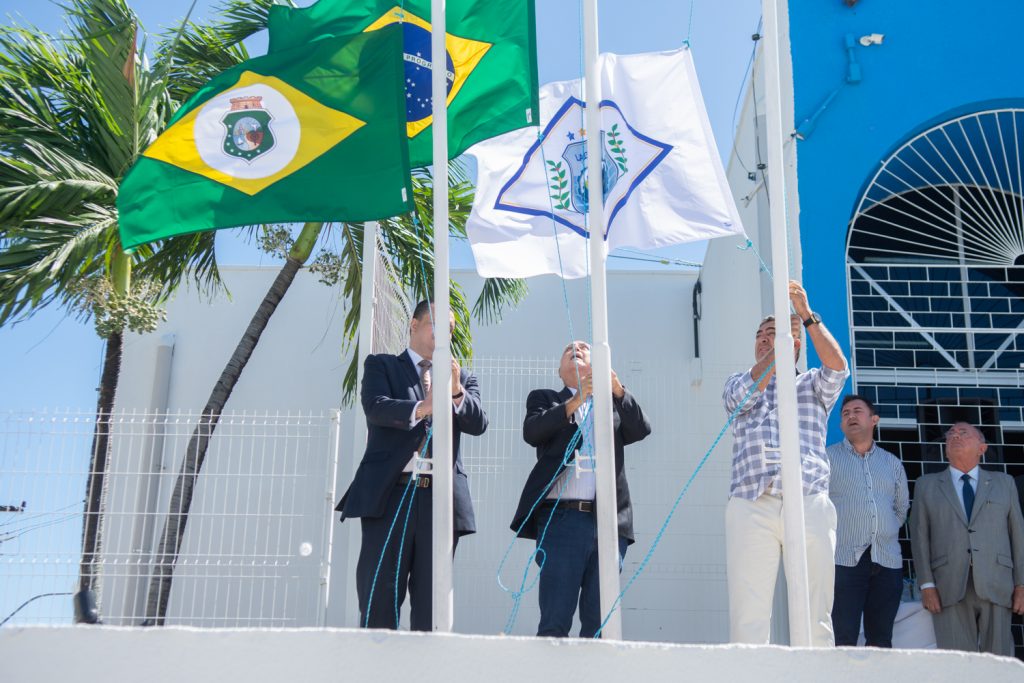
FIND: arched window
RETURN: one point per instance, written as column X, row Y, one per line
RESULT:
column 935, row 268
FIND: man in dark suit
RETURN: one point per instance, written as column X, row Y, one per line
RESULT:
column 394, row 475
column 967, row 537
column 561, row 488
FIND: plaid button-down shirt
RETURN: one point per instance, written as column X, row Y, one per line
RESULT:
column 756, row 430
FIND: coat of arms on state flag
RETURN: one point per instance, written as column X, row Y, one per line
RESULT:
column 311, row 134
column 662, row 178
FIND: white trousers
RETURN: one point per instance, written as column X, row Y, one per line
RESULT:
column 753, row 546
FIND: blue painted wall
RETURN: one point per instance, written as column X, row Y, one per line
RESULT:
column 938, row 59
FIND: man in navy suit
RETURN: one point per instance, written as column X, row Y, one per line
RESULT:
column 394, row 473
column 568, row 544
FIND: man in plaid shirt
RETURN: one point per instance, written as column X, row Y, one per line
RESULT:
column 753, row 516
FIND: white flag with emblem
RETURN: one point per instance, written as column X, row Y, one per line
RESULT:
column 663, row 180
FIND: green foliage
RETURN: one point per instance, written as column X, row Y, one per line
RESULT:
column 617, row 147
column 275, row 239
column 558, row 185
column 202, row 51
column 75, row 113
column 113, row 312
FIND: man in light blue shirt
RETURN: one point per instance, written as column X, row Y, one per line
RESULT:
column 868, row 486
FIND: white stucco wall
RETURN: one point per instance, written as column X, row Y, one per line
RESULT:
column 266, row 656
column 299, row 365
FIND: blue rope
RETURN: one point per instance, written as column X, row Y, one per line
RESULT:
column 411, row 482
column 689, row 26
column 517, row 595
column 405, row 527
column 749, row 246
column 387, row 540
column 578, row 436
column 679, row 498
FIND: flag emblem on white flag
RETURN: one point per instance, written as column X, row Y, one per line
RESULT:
column 663, row 182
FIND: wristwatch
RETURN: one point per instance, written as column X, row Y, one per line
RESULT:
column 813, row 320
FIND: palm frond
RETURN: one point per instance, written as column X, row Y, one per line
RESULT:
column 75, row 113
column 106, row 32
column 197, row 52
column 42, row 260
column 497, row 295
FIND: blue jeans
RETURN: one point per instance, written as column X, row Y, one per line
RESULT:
column 869, row 589
column 569, row 573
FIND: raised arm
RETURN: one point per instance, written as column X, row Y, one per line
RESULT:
column 824, row 343
column 544, row 419
column 633, row 424
column 469, row 414
column 382, row 409
column 736, row 387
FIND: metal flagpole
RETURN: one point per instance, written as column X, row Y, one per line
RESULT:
column 601, row 356
column 367, row 304
column 795, row 540
column 443, row 519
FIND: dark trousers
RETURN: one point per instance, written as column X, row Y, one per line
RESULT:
column 569, row 573
column 871, row 590
column 413, row 569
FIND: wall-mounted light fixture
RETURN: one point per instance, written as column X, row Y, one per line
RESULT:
column 854, row 75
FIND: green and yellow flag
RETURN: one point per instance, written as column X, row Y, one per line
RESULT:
column 307, row 134
column 492, row 61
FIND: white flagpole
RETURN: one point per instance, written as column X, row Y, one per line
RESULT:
column 443, row 512
column 795, row 540
column 367, row 304
column 601, row 356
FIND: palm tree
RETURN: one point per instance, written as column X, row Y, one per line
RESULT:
column 203, row 52
column 75, row 112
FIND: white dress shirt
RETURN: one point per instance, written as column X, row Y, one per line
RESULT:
column 412, row 465
column 958, row 483
column 578, row 481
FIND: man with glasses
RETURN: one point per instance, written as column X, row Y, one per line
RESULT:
column 967, row 539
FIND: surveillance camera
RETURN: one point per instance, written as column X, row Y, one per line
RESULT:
column 872, row 39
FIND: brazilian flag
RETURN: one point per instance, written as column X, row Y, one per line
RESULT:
column 307, row 134
column 491, row 61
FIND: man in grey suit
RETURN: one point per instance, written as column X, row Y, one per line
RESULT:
column 967, row 538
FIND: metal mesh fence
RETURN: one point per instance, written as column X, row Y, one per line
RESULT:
column 256, row 546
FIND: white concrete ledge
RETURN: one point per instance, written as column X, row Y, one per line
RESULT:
column 166, row 655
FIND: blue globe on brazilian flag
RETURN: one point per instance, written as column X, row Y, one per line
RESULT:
column 491, row 61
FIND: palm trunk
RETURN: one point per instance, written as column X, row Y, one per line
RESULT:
column 85, row 600
column 85, row 611
column 195, row 453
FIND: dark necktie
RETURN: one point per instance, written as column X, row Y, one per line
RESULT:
column 425, row 376
column 968, row 495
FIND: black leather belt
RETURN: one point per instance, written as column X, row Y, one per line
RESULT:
column 578, row 505
column 422, row 481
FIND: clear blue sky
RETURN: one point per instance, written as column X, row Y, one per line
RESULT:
column 54, row 362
